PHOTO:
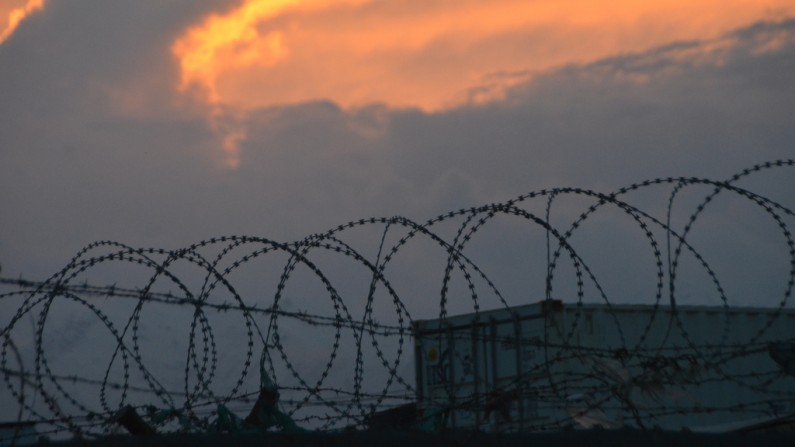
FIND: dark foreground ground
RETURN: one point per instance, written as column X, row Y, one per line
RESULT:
column 595, row 438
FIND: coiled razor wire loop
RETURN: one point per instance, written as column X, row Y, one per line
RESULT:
column 357, row 365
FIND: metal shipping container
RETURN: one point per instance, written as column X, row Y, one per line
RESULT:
column 552, row 365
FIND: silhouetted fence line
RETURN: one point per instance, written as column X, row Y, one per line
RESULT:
column 209, row 338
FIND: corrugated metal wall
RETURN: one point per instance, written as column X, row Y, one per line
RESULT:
column 550, row 365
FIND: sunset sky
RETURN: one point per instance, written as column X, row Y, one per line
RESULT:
column 160, row 124
column 435, row 55
column 164, row 123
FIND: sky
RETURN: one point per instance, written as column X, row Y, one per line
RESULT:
column 160, row 124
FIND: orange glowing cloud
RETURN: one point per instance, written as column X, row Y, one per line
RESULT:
column 426, row 54
column 13, row 12
column 430, row 54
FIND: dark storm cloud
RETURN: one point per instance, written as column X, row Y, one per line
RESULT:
column 74, row 165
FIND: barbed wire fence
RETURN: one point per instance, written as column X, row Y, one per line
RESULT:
column 192, row 340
